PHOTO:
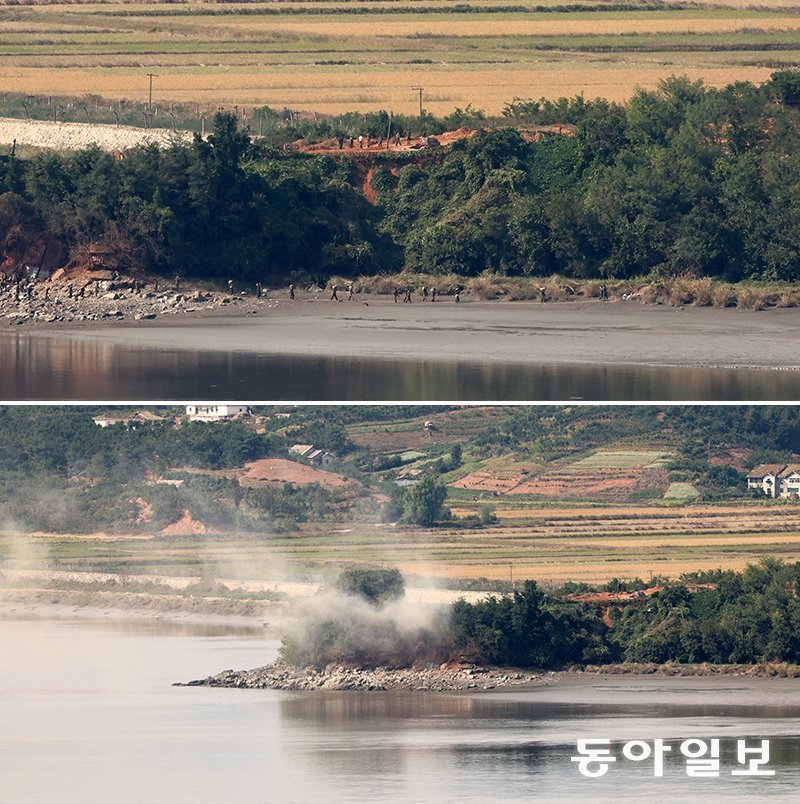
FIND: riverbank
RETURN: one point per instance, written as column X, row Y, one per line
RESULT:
column 462, row 678
column 338, row 677
column 495, row 333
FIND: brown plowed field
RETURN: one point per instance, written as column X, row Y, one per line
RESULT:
column 558, row 485
column 278, row 470
column 484, row 481
column 609, row 484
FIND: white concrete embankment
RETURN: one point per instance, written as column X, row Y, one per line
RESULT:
column 73, row 136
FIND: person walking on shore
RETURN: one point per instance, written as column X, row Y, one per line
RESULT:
column 335, row 293
column 433, row 295
column 350, row 292
column 542, row 294
column 407, row 299
column 291, row 291
column 396, row 294
column 230, row 286
column 458, row 295
column 425, row 293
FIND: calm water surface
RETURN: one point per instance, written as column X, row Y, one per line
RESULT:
column 37, row 367
column 89, row 715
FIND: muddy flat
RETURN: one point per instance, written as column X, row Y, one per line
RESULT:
column 500, row 332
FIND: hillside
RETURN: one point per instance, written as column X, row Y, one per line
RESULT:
column 560, row 494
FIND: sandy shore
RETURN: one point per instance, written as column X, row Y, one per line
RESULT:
column 584, row 332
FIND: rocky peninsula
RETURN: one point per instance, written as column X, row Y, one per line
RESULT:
column 444, row 678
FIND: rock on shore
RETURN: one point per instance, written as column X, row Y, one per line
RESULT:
column 58, row 305
column 338, row 677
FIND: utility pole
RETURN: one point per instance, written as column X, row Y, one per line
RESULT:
column 151, row 76
column 419, row 89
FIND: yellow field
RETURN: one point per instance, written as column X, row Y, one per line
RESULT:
column 324, row 91
column 487, row 26
column 338, row 56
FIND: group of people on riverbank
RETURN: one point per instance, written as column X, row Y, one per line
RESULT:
column 428, row 294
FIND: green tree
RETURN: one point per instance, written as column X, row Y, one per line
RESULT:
column 424, row 502
column 377, row 586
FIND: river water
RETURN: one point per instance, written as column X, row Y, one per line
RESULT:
column 40, row 367
column 89, row 715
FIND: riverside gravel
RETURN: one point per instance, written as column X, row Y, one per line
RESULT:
column 339, row 677
column 51, row 303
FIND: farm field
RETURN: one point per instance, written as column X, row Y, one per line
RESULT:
column 604, row 475
column 411, row 433
column 335, row 56
column 550, row 544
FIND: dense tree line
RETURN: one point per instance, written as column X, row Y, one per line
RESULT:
column 66, row 441
column 735, row 617
column 685, row 179
column 719, row 617
column 682, row 180
column 206, row 209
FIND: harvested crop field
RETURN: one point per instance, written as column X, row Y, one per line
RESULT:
column 336, row 56
column 276, row 471
column 548, row 543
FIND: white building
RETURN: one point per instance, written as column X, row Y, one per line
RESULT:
column 215, row 413
column 775, row 479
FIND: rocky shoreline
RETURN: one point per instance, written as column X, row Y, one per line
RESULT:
column 338, row 677
column 59, row 302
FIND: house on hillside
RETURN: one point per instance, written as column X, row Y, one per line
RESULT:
column 776, row 479
column 409, row 478
column 215, row 413
column 766, row 478
column 128, row 419
column 790, row 481
column 316, row 457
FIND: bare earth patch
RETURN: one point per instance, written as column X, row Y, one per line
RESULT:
column 279, row 470
column 186, row 526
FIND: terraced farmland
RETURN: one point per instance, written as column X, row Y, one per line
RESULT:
column 363, row 55
column 604, row 475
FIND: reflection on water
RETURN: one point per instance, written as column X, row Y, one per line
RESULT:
column 89, row 715
column 33, row 366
